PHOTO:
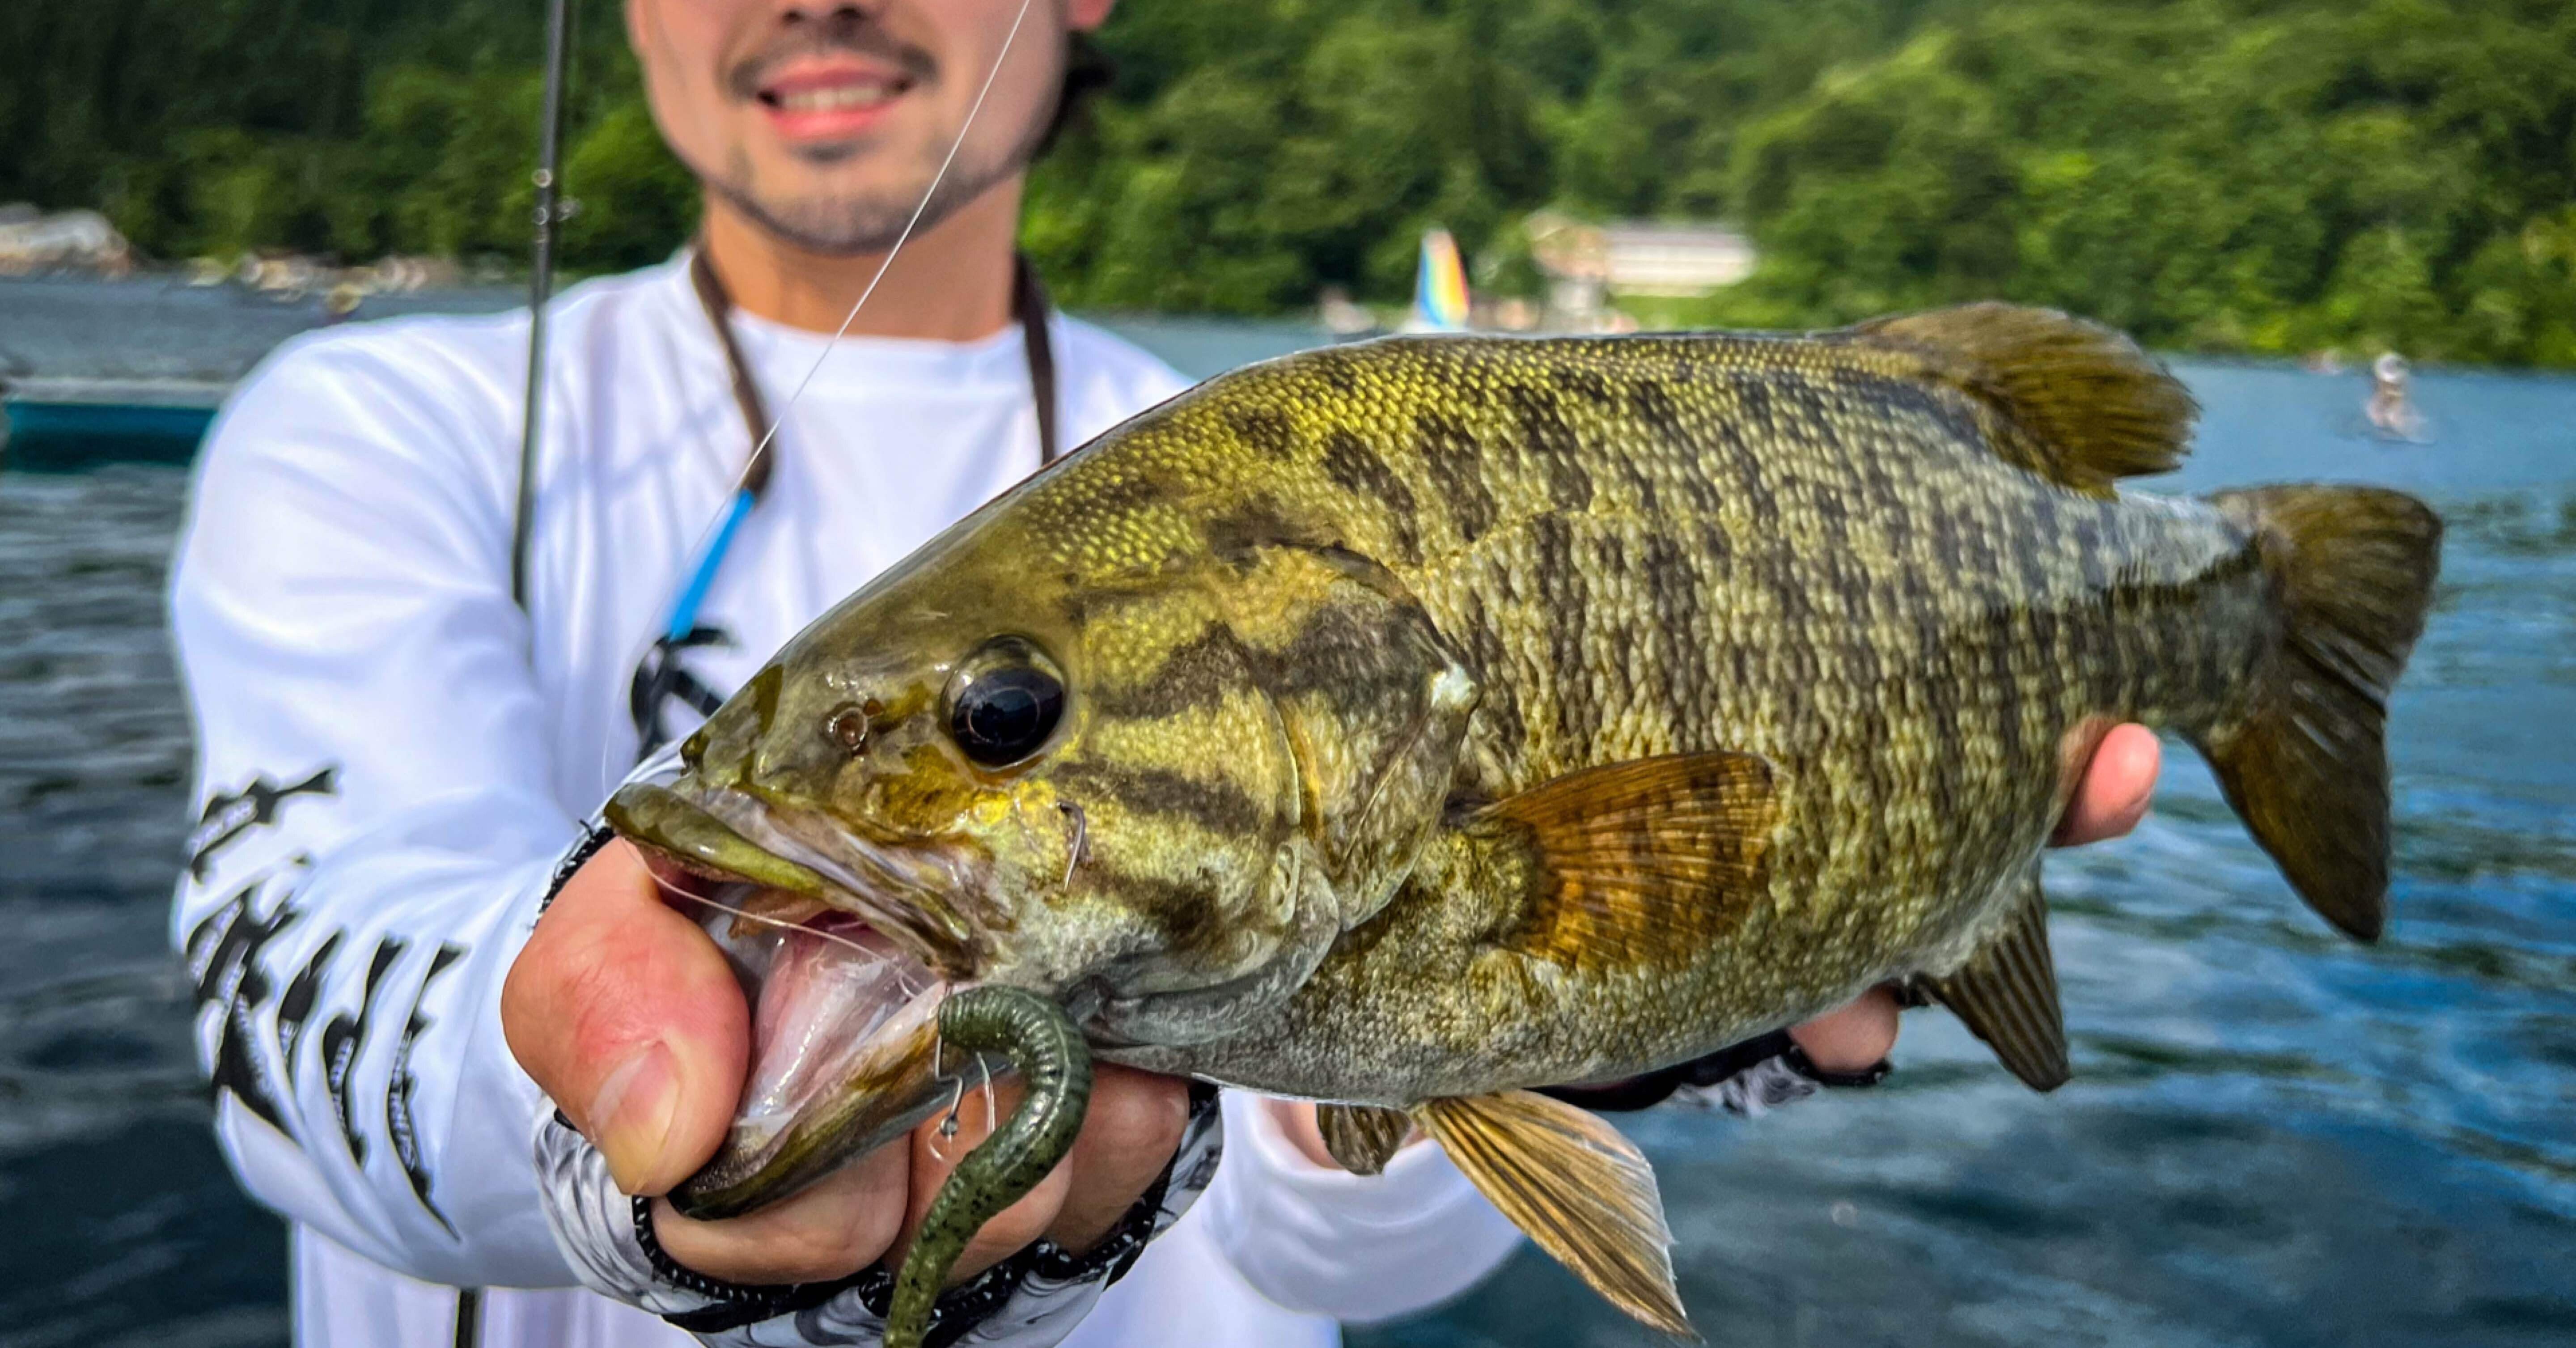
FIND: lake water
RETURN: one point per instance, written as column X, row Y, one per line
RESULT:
column 2274, row 1137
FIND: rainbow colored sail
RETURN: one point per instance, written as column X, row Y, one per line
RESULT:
column 1439, row 286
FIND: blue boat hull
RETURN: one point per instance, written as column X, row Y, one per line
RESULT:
column 55, row 437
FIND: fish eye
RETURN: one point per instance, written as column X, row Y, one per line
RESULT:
column 1004, row 703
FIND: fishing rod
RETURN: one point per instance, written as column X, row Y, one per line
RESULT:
column 549, row 214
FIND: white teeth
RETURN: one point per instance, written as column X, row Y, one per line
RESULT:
column 835, row 98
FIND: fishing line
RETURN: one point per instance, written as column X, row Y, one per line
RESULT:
column 716, row 538
column 548, row 181
column 872, row 956
column 918, row 211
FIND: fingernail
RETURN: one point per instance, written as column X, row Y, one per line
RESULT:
column 630, row 1117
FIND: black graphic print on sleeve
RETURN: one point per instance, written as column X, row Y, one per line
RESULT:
column 223, row 957
column 398, row 1125
column 345, row 1035
column 229, row 816
column 295, row 1005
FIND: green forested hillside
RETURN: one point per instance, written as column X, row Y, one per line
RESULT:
column 2268, row 175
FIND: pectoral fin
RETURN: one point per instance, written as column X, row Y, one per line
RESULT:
column 2007, row 993
column 1362, row 1138
column 1579, row 1188
column 1636, row 863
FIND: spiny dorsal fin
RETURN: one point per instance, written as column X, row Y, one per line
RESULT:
column 1638, row 862
column 1362, row 1138
column 1579, row 1188
column 2007, row 992
column 2094, row 407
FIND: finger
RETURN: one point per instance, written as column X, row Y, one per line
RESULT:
column 1304, row 1129
column 846, row 1222
column 627, row 1015
column 2117, row 783
column 1128, row 1137
column 1855, row 1038
column 935, row 1156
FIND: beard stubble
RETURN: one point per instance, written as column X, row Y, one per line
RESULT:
column 860, row 221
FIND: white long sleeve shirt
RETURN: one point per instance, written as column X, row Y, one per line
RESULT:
column 391, row 755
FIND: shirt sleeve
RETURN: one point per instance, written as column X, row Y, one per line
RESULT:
column 376, row 828
column 1355, row 1247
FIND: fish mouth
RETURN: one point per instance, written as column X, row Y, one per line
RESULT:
column 901, row 889
column 845, row 950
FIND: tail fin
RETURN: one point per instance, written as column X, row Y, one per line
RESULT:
column 2305, row 762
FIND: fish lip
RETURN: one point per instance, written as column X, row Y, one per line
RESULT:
column 900, row 1087
column 895, row 888
column 901, row 888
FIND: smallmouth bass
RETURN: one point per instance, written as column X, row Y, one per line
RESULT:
column 1406, row 725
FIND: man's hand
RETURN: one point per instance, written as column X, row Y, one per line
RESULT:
column 627, row 1015
column 2110, row 798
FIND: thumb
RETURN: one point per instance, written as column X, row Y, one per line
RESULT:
column 2114, row 776
column 627, row 1015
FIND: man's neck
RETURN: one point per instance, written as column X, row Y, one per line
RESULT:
column 949, row 283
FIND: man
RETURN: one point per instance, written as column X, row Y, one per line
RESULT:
column 396, row 748
column 2390, row 410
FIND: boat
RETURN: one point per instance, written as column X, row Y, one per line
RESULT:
column 63, row 424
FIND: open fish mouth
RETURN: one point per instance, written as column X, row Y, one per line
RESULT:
column 904, row 890
column 846, row 951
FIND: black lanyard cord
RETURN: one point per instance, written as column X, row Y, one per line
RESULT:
column 1028, row 309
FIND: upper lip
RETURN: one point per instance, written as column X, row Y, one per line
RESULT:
column 902, row 889
column 799, row 74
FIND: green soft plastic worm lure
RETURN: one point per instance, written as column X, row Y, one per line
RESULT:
column 1055, row 1068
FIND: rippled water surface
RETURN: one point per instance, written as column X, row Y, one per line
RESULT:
column 2274, row 1137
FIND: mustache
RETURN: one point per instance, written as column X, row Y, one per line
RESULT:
column 844, row 31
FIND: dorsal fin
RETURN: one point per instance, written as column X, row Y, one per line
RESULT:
column 2094, row 407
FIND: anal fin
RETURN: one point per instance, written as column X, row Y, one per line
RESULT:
column 1362, row 1138
column 2007, row 992
column 1580, row 1189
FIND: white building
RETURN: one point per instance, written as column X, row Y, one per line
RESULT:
column 1588, row 266
column 1650, row 258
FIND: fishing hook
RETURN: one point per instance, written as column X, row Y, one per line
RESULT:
column 948, row 1125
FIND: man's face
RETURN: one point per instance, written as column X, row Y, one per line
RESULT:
column 828, row 123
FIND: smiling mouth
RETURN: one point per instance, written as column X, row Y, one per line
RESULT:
column 831, row 102
column 833, row 97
